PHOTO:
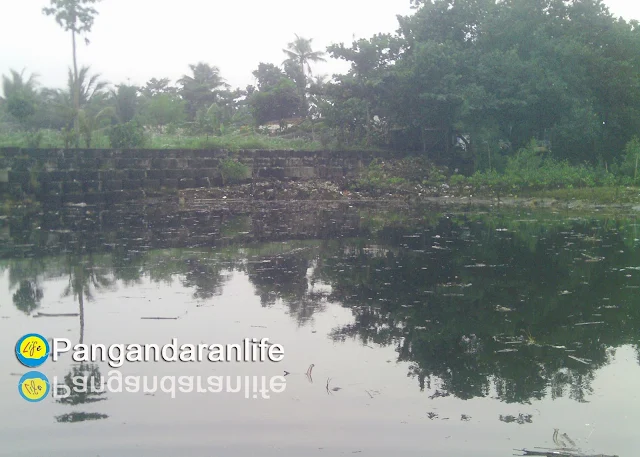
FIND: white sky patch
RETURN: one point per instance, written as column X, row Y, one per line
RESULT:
column 135, row 40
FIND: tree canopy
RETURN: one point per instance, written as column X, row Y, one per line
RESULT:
column 458, row 81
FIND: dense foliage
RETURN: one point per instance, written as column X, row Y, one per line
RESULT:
column 127, row 135
column 467, row 83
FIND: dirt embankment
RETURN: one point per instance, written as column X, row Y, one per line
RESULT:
column 323, row 191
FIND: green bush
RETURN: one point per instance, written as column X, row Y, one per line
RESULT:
column 630, row 161
column 34, row 139
column 390, row 175
column 436, row 177
column 127, row 135
column 457, row 180
column 530, row 169
column 233, row 171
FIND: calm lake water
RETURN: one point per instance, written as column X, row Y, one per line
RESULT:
column 431, row 331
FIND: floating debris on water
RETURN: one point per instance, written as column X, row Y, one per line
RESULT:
column 521, row 419
column 56, row 315
column 578, row 359
column 503, row 309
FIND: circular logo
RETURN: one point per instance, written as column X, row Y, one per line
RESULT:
column 33, row 386
column 32, row 350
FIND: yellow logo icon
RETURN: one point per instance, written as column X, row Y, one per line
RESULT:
column 33, row 386
column 32, row 350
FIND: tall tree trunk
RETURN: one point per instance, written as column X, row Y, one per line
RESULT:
column 76, row 91
column 303, row 91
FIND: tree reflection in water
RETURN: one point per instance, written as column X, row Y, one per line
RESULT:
column 491, row 307
column 28, row 296
column 285, row 277
column 85, row 277
column 479, row 305
column 86, row 386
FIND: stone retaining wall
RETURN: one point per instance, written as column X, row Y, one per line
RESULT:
column 95, row 176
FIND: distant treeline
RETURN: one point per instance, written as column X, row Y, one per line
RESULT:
column 474, row 80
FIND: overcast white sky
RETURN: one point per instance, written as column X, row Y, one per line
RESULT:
column 135, row 40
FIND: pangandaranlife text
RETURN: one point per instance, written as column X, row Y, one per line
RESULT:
column 250, row 350
column 257, row 387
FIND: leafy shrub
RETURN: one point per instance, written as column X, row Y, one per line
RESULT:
column 69, row 136
column 436, row 177
column 457, row 180
column 327, row 138
column 630, row 161
column 233, row 171
column 392, row 175
column 127, row 135
column 531, row 169
column 34, row 139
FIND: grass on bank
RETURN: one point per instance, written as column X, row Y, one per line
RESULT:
column 528, row 173
column 598, row 195
column 53, row 139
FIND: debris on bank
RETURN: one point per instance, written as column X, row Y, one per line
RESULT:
column 269, row 190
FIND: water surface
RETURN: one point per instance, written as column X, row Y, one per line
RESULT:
column 431, row 333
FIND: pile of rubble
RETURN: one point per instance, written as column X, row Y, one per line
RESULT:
column 272, row 190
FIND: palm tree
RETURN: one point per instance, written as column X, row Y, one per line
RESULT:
column 84, row 275
column 301, row 54
column 20, row 95
column 201, row 89
column 63, row 109
column 300, row 51
column 18, row 83
column 90, row 87
column 90, row 121
column 90, row 91
column 125, row 102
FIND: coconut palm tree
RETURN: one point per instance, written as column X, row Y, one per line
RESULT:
column 92, row 90
column 124, row 101
column 301, row 54
column 89, row 86
column 92, row 120
column 20, row 95
column 17, row 82
column 90, row 93
column 200, row 89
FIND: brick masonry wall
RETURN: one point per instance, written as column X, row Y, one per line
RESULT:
column 107, row 175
